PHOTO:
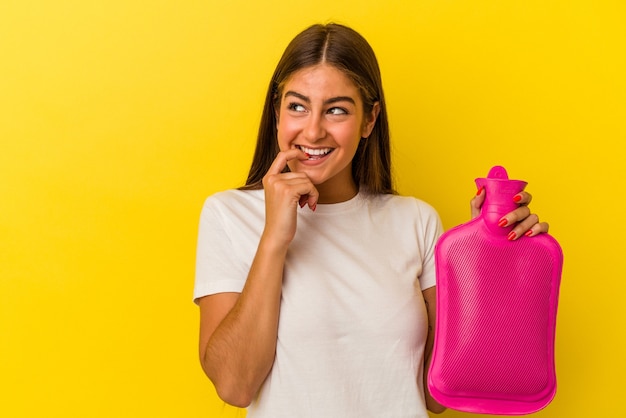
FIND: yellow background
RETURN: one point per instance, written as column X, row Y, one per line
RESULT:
column 118, row 118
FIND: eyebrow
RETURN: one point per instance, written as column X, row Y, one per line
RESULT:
column 326, row 102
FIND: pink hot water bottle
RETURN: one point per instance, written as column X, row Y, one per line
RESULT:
column 496, row 311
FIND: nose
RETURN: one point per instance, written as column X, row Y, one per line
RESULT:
column 314, row 129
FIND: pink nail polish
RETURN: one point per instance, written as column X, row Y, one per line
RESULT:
column 529, row 233
column 502, row 222
column 511, row 236
column 314, row 207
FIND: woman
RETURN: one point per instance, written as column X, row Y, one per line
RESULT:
column 316, row 281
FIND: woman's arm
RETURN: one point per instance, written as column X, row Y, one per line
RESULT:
column 430, row 299
column 238, row 331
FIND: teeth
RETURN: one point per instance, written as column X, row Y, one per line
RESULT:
column 315, row 151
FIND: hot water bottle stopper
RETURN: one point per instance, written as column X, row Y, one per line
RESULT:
column 496, row 311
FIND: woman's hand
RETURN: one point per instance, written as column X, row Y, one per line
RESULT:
column 284, row 192
column 526, row 223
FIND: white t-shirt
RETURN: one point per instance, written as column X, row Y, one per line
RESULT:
column 353, row 322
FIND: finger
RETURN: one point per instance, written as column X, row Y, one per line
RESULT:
column 524, row 226
column 296, row 185
column 278, row 181
column 523, row 198
column 288, row 177
column 283, row 157
column 309, row 194
column 538, row 228
column 515, row 216
column 477, row 202
column 312, row 198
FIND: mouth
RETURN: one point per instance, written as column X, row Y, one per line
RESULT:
column 315, row 153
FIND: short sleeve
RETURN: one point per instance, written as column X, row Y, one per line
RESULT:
column 432, row 230
column 218, row 268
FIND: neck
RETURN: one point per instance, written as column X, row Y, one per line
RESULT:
column 334, row 193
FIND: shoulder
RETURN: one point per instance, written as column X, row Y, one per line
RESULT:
column 233, row 203
column 407, row 213
column 407, row 205
column 234, row 198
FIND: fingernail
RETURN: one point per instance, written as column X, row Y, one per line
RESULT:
column 314, row 207
column 517, row 198
column 503, row 222
column 529, row 233
column 511, row 236
column 480, row 190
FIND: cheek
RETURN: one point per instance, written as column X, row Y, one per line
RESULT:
column 349, row 137
column 286, row 132
column 280, row 134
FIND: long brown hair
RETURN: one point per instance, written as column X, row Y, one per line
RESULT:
column 345, row 49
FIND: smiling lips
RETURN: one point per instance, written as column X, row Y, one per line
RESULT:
column 315, row 153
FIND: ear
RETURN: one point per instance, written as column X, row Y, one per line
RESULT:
column 370, row 120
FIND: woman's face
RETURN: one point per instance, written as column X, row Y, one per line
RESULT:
column 321, row 113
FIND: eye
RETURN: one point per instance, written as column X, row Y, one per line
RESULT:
column 337, row 111
column 296, row 107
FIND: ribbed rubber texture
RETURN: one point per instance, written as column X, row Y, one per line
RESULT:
column 506, row 313
column 496, row 319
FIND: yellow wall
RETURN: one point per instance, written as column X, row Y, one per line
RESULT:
column 117, row 119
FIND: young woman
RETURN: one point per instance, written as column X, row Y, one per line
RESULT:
column 315, row 281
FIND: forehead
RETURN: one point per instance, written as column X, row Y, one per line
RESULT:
column 321, row 81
